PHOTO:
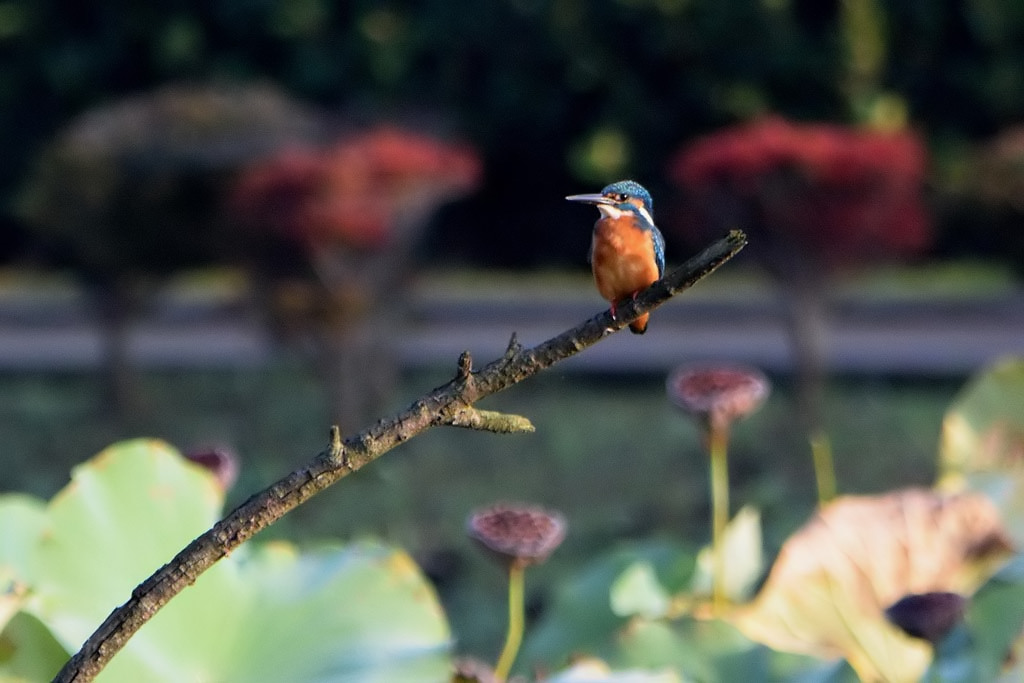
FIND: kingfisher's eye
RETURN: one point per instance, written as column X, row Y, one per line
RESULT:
column 621, row 197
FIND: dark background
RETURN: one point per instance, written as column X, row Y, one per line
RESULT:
column 538, row 87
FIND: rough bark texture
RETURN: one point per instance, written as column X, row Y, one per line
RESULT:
column 451, row 404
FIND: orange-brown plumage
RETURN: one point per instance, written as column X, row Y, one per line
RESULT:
column 623, row 260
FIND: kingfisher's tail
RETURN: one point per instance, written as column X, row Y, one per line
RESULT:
column 639, row 326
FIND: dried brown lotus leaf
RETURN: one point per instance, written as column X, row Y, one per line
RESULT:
column 833, row 579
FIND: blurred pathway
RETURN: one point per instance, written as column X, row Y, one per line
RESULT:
column 49, row 328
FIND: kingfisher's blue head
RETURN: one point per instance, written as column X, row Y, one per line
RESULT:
column 625, row 196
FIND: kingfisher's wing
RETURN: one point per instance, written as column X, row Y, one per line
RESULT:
column 659, row 249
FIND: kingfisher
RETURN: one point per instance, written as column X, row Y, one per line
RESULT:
column 627, row 252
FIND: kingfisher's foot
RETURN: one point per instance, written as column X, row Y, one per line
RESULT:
column 614, row 303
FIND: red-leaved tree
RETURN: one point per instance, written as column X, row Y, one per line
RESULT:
column 353, row 211
column 815, row 199
column 825, row 195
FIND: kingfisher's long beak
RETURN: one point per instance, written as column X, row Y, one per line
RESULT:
column 590, row 198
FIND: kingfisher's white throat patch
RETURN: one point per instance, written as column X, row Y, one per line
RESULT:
column 610, row 211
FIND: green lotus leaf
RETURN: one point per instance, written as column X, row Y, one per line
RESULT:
column 361, row 612
column 744, row 557
column 22, row 518
column 982, row 447
column 28, row 651
column 581, row 618
column 596, row 671
column 980, row 649
column 125, row 512
column 335, row 613
column 21, row 521
column 660, row 644
column 637, row 592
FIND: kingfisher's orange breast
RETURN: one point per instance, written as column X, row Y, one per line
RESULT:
column 622, row 257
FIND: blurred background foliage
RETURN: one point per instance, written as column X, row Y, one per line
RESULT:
column 556, row 95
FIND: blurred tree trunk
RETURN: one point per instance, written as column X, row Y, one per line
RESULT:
column 357, row 365
column 807, row 320
column 117, row 303
column 808, row 317
column 363, row 313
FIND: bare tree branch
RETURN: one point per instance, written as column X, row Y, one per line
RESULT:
column 451, row 404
